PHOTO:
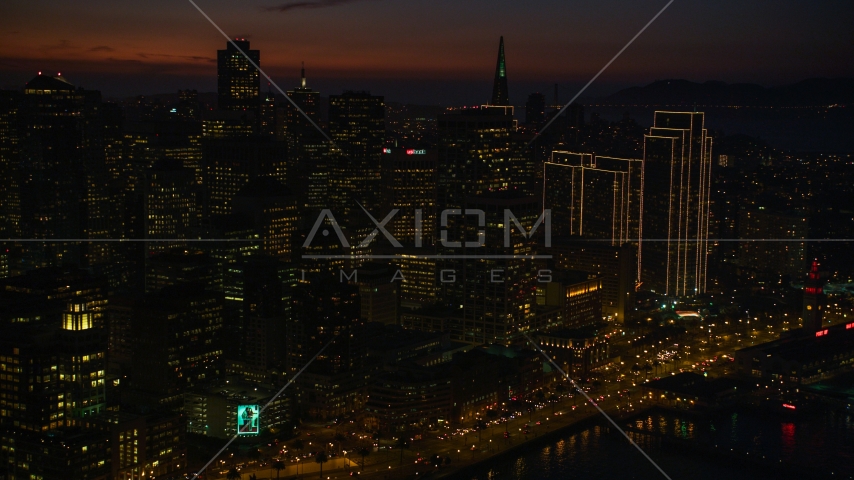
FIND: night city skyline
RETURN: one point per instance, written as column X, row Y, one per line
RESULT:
column 385, row 240
column 162, row 46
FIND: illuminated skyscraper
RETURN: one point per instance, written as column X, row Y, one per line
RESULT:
column 500, row 287
column 62, row 174
column 84, row 363
column 500, row 96
column 308, row 149
column 171, row 206
column 238, row 82
column 272, row 211
column 677, row 180
column 357, row 126
column 409, row 185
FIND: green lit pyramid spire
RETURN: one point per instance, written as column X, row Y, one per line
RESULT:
column 499, row 88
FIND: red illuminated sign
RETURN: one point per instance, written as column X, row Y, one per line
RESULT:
column 821, row 333
column 847, row 327
column 789, row 406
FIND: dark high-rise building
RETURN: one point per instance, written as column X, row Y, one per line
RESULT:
column 499, row 295
column 332, row 385
column 357, row 126
column 272, row 210
column 409, row 185
column 84, row 362
column 230, row 164
column 677, row 183
column 310, row 152
column 172, row 209
column 10, row 201
column 62, row 175
column 177, row 343
column 535, row 109
column 500, row 95
column 238, row 81
column 474, row 152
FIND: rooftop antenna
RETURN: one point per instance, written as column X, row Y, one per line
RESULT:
column 303, row 74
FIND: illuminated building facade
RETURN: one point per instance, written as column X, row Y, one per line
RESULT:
column 677, row 184
column 357, row 126
column 499, row 288
column 577, row 351
column 230, row 164
column 272, row 210
column 409, row 183
column 577, row 294
column 311, row 153
column 178, row 343
column 786, row 257
column 84, row 362
column 238, row 82
column 172, row 209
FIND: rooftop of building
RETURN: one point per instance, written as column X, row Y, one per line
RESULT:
column 49, row 82
column 806, row 347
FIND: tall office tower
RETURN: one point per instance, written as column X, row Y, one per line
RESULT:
column 32, row 395
column 677, row 183
column 474, row 154
column 772, row 259
column 310, row 151
column 272, row 210
column 409, row 185
column 525, row 168
column 230, row 164
column 178, row 343
column 238, row 82
column 814, row 300
column 171, row 206
column 324, row 309
column 63, row 173
column 500, row 286
column 500, row 95
column 267, row 116
column 267, row 307
column 84, row 362
column 535, row 109
column 474, row 159
column 357, row 126
column 10, row 200
column 596, row 198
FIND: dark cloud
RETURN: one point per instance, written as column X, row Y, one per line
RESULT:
column 61, row 45
column 195, row 58
column 306, row 5
column 102, row 48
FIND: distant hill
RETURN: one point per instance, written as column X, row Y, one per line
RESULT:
column 811, row 92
